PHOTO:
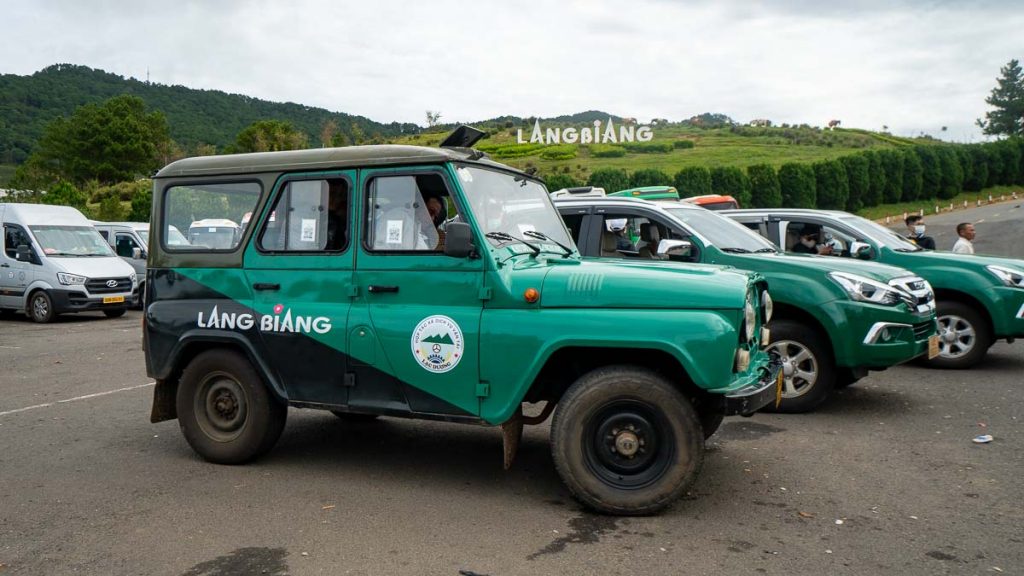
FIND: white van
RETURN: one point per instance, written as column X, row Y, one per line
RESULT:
column 215, row 233
column 53, row 261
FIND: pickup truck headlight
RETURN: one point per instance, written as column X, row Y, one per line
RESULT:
column 866, row 290
column 1008, row 276
column 70, row 279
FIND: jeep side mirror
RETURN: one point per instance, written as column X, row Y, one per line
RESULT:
column 458, row 240
column 23, row 254
column 674, row 248
column 860, row 250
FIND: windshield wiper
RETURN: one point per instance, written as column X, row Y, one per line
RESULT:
column 735, row 250
column 543, row 236
column 510, row 238
column 762, row 250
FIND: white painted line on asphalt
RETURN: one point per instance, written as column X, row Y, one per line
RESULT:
column 77, row 398
column 11, row 347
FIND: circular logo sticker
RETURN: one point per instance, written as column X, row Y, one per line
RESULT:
column 437, row 344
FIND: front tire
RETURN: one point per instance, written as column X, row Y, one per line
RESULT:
column 40, row 307
column 808, row 369
column 225, row 410
column 115, row 312
column 964, row 336
column 625, row 441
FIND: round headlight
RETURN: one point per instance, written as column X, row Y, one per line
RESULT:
column 749, row 320
column 767, row 305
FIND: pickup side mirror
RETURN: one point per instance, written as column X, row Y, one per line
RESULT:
column 458, row 240
column 861, row 250
column 138, row 253
column 23, row 254
column 674, row 248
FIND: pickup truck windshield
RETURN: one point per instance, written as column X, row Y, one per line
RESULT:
column 71, row 241
column 880, row 234
column 725, row 233
column 512, row 205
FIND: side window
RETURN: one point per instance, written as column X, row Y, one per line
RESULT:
column 407, row 213
column 207, row 215
column 631, row 236
column 574, row 222
column 125, row 244
column 814, row 238
column 105, row 235
column 308, row 216
column 14, row 236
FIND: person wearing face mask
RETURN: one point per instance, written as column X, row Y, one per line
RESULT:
column 915, row 224
column 808, row 243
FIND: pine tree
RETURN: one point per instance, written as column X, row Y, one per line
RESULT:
column 1008, row 100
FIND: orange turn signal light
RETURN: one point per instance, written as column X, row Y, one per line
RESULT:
column 531, row 295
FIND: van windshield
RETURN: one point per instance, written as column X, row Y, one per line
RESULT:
column 71, row 241
column 215, row 237
column 503, row 203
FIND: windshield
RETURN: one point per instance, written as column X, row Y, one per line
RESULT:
column 144, row 234
column 880, row 234
column 72, row 241
column 513, row 205
column 216, row 237
column 174, row 237
column 725, row 233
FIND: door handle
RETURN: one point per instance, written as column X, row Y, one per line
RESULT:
column 266, row 286
column 375, row 288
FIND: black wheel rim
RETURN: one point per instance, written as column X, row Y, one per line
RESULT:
column 221, row 407
column 628, row 444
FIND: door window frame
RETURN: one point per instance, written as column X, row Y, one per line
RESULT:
column 348, row 176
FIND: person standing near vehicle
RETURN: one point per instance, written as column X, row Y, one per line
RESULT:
column 964, row 245
column 915, row 224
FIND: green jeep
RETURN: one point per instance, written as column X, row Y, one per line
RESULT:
column 434, row 283
column 834, row 319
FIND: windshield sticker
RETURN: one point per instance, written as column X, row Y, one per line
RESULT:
column 437, row 344
column 394, row 232
column 308, row 230
column 465, row 175
column 284, row 324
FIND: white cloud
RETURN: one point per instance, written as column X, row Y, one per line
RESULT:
column 912, row 66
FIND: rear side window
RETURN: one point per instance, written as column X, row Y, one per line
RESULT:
column 210, row 217
column 308, row 216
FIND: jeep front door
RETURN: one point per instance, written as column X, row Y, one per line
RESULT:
column 414, row 325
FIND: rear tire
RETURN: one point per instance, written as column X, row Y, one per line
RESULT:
column 808, row 368
column 964, row 336
column 115, row 312
column 625, row 441
column 40, row 307
column 225, row 410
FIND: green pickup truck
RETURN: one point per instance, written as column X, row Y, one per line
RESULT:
column 834, row 319
column 434, row 283
column 980, row 298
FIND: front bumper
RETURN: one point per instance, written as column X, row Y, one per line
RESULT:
column 1008, row 313
column 876, row 337
column 76, row 301
column 766, row 390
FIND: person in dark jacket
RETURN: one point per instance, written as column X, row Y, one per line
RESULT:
column 809, row 242
column 915, row 224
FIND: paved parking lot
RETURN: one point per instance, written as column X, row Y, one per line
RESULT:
column 885, row 479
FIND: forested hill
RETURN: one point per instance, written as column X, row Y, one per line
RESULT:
column 195, row 117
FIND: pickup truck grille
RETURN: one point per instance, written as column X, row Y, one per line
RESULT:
column 99, row 285
column 921, row 297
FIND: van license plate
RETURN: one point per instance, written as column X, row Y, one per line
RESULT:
column 113, row 299
column 933, row 346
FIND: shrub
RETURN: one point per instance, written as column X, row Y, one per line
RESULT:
column 649, row 177
column 562, row 152
column 731, row 181
column 559, row 181
column 611, row 179
column 858, row 179
column 648, row 147
column 606, row 151
column 765, row 191
column 1011, row 156
column 963, row 155
column 110, row 210
column 798, row 185
column 683, row 144
column 913, row 176
column 693, row 181
column 952, row 173
column 892, row 164
column 931, row 171
column 510, row 150
column 995, row 164
column 831, row 184
column 142, row 204
column 978, row 177
column 876, row 178
column 65, row 194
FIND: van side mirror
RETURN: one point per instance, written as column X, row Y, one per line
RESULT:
column 861, row 250
column 458, row 240
column 138, row 254
column 23, row 254
column 674, row 248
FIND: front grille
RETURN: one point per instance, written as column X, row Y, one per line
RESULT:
column 923, row 330
column 99, row 285
column 918, row 293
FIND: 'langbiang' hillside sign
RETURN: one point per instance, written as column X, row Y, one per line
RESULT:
column 627, row 132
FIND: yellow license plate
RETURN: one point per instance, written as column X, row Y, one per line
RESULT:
column 778, row 387
column 113, row 299
column 933, row 346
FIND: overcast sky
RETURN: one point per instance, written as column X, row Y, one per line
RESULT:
column 913, row 66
